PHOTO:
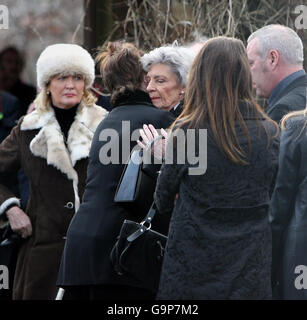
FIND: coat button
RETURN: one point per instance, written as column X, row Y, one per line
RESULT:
column 69, row 205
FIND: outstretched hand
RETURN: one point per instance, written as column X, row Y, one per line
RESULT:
column 148, row 134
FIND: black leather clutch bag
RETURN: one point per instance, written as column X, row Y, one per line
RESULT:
column 137, row 185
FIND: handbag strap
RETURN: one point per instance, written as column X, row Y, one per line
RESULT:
column 151, row 213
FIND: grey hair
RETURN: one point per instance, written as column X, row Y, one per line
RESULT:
column 178, row 58
column 198, row 38
column 280, row 38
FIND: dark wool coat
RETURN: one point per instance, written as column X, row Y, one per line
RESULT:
column 95, row 227
column 288, row 213
column 219, row 243
column 292, row 98
column 25, row 93
column 11, row 110
column 57, row 174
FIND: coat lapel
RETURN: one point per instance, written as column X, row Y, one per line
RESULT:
column 82, row 130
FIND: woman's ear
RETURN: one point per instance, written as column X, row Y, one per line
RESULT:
column 181, row 94
column 47, row 88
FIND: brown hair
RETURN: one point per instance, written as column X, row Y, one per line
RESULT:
column 220, row 76
column 120, row 68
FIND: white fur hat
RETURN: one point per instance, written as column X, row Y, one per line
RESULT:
column 64, row 58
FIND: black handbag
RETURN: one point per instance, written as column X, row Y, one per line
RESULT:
column 137, row 184
column 139, row 252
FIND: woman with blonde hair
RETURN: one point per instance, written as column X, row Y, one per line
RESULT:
column 219, row 241
column 288, row 211
column 51, row 145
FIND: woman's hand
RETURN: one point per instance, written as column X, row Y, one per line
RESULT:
column 19, row 221
column 149, row 133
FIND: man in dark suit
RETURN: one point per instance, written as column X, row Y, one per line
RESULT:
column 275, row 54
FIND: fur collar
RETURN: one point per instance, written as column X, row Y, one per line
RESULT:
column 49, row 141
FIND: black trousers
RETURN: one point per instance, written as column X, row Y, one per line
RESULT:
column 107, row 292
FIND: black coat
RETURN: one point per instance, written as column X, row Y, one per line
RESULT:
column 288, row 214
column 11, row 110
column 176, row 113
column 292, row 98
column 219, row 244
column 94, row 228
column 25, row 93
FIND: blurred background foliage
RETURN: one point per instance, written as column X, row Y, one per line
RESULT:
column 152, row 23
column 34, row 24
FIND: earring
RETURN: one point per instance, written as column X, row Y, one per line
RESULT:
column 182, row 92
column 48, row 92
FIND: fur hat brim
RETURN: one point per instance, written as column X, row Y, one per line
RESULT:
column 64, row 59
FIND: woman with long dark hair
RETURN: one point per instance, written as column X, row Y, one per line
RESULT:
column 219, row 244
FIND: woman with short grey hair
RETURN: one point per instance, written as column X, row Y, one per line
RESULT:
column 167, row 70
